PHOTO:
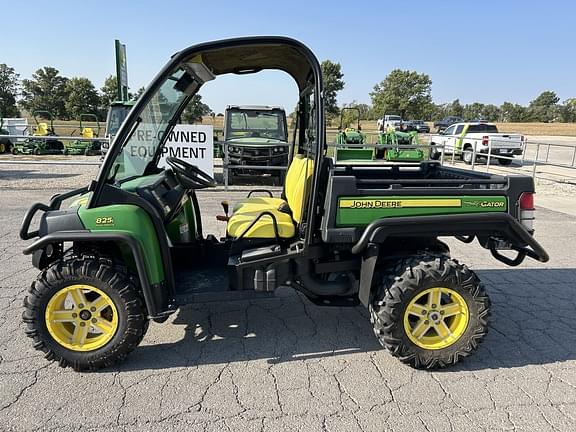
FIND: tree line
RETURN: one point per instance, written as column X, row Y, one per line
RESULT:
column 66, row 98
column 409, row 94
column 403, row 92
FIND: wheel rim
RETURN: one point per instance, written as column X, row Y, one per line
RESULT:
column 81, row 318
column 467, row 156
column 436, row 318
column 2, row 148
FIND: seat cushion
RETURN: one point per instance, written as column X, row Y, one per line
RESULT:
column 263, row 228
column 258, row 203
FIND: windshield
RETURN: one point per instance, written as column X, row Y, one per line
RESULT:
column 116, row 116
column 256, row 124
column 489, row 128
column 152, row 123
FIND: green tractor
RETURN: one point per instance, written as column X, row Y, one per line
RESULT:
column 389, row 142
column 349, row 136
column 5, row 143
column 83, row 147
column 40, row 143
column 130, row 248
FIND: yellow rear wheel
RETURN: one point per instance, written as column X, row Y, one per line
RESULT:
column 430, row 311
column 436, row 318
column 81, row 317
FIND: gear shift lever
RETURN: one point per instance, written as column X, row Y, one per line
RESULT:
column 225, row 207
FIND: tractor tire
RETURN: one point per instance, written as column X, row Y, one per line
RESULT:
column 85, row 312
column 4, row 146
column 14, row 151
column 37, row 152
column 504, row 162
column 66, row 152
column 430, row 311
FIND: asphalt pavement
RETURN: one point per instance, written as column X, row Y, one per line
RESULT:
column 283, row 364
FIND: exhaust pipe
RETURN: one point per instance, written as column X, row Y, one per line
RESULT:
column 310, row 284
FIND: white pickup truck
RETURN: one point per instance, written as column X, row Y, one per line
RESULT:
column 463, row 139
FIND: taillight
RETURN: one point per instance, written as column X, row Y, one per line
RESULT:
column 485, row 139
column 526, row 210
column 527, row 201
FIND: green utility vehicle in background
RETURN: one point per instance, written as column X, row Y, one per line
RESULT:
column 131, row 248
column 117, row 113
column 42, row 141
column 350, row 136
column 255, row 136
column 83, row 147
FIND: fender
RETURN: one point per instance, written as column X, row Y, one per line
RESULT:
column 457, row 225
column 156, row 300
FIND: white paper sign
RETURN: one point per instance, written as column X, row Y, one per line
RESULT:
column 193, row 144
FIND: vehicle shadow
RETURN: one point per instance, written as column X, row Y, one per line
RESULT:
column 32, row 174
column 531, row 315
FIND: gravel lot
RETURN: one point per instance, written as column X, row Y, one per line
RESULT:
column 285, row 364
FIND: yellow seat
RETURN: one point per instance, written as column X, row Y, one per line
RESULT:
column 87, row 132
column 287, row 212
column 41, row 129
column 252, row 203
column 264, row 227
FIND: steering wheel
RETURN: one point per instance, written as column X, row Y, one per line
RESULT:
column 190, row 176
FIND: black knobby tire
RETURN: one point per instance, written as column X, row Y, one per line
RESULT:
column 504, row 162
column 404, row 282
column 434, row 153
column 104, row 275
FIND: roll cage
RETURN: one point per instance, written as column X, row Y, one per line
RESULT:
column 239, row 56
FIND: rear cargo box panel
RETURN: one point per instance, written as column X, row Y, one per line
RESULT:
column 359, row 211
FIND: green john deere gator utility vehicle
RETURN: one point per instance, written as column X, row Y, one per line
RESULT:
column 131, row 247
column 85, row 145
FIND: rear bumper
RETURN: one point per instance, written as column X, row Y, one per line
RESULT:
column 481, row 225
column 502, row 151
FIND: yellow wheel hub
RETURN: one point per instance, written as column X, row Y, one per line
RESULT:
column 436, row 318
column 2, row 148
column 81, row 318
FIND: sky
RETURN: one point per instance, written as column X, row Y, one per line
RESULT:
column 489, row 51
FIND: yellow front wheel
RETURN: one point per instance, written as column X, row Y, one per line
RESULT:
column 85, row 312
column 81, row 317
column 430, row 311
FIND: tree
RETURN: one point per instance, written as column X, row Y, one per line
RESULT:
column 195, row 110
column 512, row 112
column 332, row 76
column 568, row 110
column 109, row 91
column 544, row 108
column 46, row 90
column 403, row 92
column 138, row 93
column 455, row 108
column 8, row 91
column 82, row 97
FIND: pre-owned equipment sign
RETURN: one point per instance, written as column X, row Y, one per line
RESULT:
column 193, row 144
